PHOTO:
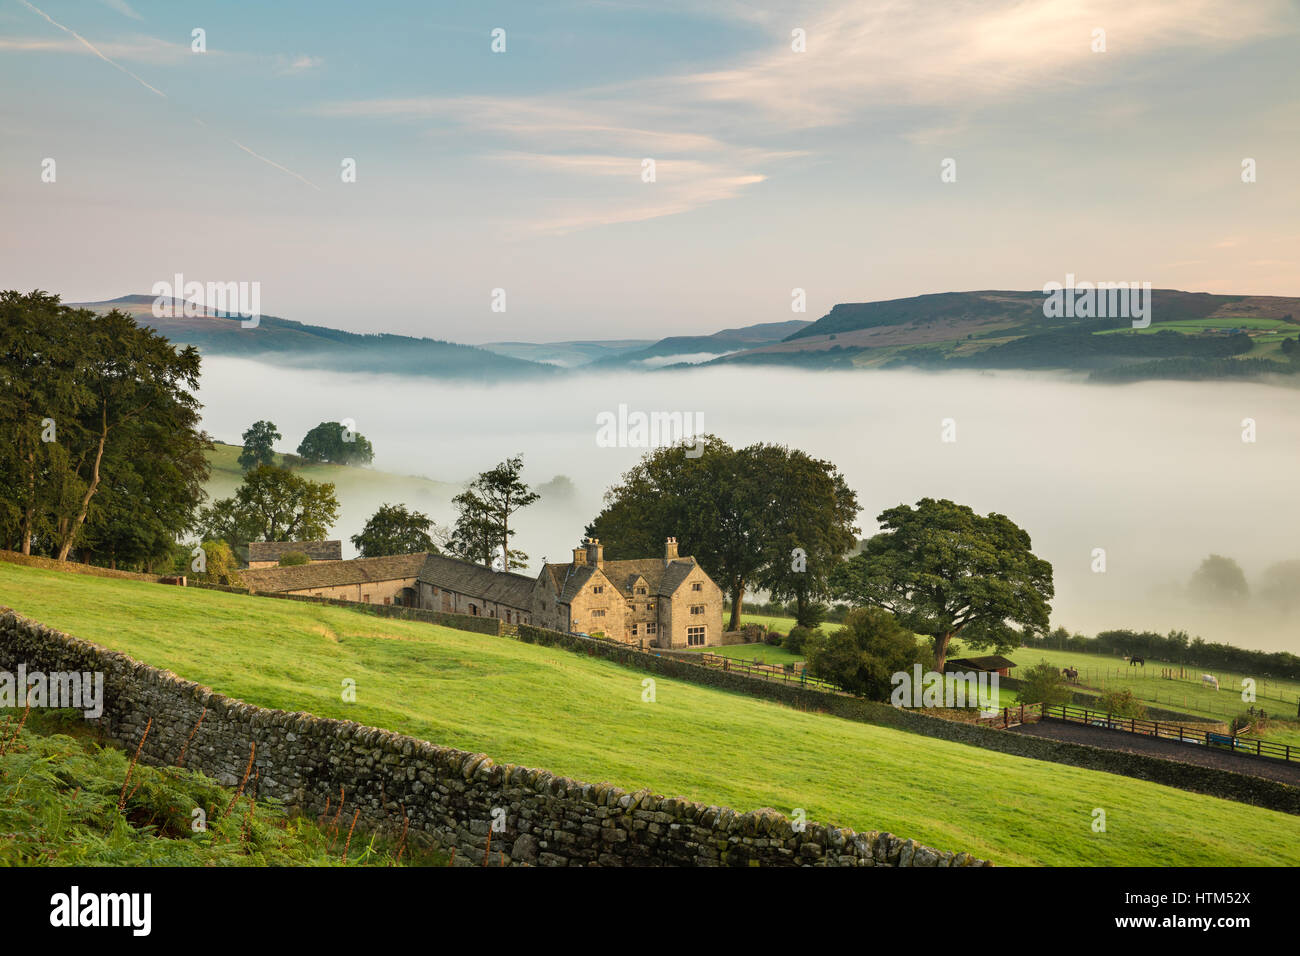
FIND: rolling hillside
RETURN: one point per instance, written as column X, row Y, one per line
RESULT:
column 279, row 341
column 1192, row 335
column 584, row 717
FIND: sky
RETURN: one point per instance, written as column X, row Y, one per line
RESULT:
column 524, row 169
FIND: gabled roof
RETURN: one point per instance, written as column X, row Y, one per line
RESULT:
column 661, row 579
column 474, row 580
column 275, row 550
column 332, row 574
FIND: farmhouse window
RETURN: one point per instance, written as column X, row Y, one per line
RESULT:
column 697, row 608
column 634, row 632
column 640, row 590
column 695, row 636
column 598, row 589
column 598, row 613
column 697, row 586
column 651, row 628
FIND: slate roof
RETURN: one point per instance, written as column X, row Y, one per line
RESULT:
column 661, row 580
column 452, row 574
column 275, row 550
column 994, row 662
column 474, row 580
column 331, row 574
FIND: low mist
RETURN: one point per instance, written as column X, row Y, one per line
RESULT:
column 1157, row 474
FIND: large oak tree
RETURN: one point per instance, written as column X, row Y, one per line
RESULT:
column 946, row 571
column 740, row 513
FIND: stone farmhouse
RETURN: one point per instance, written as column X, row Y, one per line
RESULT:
column 666, row 602
column 267, row 554
column 658, row 602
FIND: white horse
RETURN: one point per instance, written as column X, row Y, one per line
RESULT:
column 1211, row 680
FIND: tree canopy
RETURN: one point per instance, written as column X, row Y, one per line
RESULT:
column 484, row 512
column 945, row 570
column 103, row 449
column 394, row 529
column 272, row 504
column 740, row 513
column 259, row 441
column 334, row 444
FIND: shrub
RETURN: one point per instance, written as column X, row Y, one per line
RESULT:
column 1121, row 703
column 798, row 637
column 220, row 565
column 773, row 639
column 293, row 559
column 1043, row 684
column 863, row 656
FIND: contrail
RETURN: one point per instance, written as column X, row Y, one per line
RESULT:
column 275, row 164
column 153, row 89
column 91, row 47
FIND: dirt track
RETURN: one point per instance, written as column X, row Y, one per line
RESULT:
column 1169, row 749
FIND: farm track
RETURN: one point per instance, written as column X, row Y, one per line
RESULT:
column 1168, row 749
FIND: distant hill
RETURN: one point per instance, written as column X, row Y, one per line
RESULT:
column 695, row 348
column 1191, row 335
column 288, row 343
column 567, row 354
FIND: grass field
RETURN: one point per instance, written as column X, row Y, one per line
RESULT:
column 1187, row 695
column 585, row 718
column 755, row 653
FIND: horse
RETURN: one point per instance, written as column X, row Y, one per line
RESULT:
column 1133, row 661
column 1211, row 680
column 1070, row 674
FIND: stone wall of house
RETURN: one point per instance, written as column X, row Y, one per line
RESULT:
column 676, row 611
column 452, row 796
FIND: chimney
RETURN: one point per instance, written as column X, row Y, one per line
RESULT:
column 595, row 552
column 579, row 555
column 670, row 550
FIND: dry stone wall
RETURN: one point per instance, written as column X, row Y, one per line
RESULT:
column 450, row 795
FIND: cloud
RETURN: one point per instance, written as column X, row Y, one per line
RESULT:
column 122, row 7
column 139, row 48
column 941, row 61
column 297, row 64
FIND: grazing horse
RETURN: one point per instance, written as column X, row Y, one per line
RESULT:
column 1132, row 661
column 1071, row 674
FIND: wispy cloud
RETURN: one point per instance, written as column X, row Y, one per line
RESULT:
column 122, row 7
column 952, row 57
column 297, row 64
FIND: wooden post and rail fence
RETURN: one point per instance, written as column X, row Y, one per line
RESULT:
column 1163, row 729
